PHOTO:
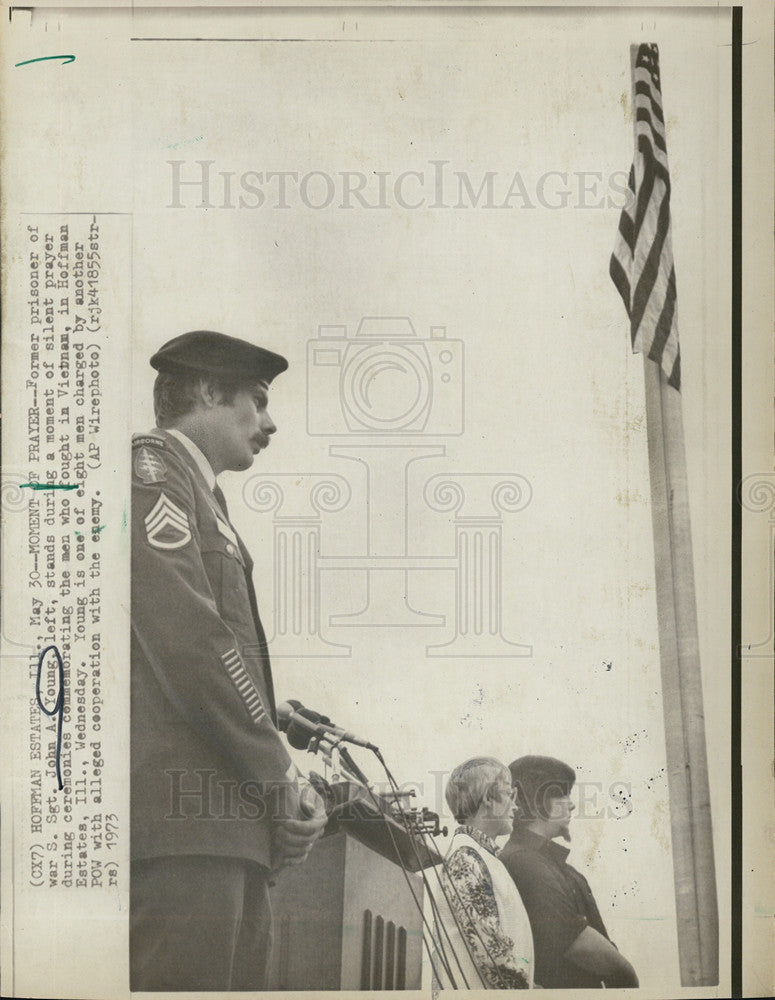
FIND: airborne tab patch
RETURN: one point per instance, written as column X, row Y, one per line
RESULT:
column 154, row 439
column 149, row 467
column 167, row 526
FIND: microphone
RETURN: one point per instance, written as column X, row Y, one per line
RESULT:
column 294, row 713
column 300, row 732
column 299, row 737
column 299, row 724
column 284, row 713
column 298, row 729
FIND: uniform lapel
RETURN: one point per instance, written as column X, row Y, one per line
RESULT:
column 217, row 502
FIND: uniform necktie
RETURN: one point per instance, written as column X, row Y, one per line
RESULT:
column 218, row 494
column 248, row 567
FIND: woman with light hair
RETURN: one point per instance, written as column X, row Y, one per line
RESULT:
column 481, row 930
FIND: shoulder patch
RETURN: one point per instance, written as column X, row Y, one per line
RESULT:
column 149, row 466
column 153, row 439
column 167, row 527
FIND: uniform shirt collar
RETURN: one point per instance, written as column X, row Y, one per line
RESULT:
column 524, row 837
column 202, row 464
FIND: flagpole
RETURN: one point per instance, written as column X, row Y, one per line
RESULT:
column 687, row 767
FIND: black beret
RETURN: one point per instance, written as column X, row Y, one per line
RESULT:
column 537, row 781
column 216, row 354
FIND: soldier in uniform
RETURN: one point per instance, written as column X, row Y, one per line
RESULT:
column 216, row 804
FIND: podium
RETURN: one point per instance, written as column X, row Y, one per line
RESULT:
column 347, row 919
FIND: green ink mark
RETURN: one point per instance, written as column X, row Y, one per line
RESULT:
column 50, row 486
column 67, row 59
column 123, row 520
column 80, row 534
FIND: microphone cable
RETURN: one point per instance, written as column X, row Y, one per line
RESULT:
column 463, row 906
column 302, row 742
column 487, row 951
column 438, row 919
column 438, row 945
column 301, row 738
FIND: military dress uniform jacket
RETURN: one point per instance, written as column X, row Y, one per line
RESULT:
column 202, row 725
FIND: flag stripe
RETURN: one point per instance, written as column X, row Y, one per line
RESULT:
column 644, row 115
column 656, row 167
column 643, row 204
column 622, row 282
column 650, row 272
column 627, row 231
column 675, row 374
column 665, row 321
column 646, row 331
column 643, row 89
column 641, row 265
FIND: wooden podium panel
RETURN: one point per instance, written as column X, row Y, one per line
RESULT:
column 346, row 920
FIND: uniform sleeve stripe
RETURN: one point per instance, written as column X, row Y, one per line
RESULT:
column 244, row 685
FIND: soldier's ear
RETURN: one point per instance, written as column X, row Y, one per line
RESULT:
column 209, row 392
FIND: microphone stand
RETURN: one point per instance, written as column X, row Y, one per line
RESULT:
column 338, row 759
column 335, row 757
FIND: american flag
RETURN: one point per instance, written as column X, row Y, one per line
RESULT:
column 642, row 262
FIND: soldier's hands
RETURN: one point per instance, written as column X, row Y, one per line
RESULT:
column 297, row 827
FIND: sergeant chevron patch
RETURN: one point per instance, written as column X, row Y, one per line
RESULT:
column 167, row 526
